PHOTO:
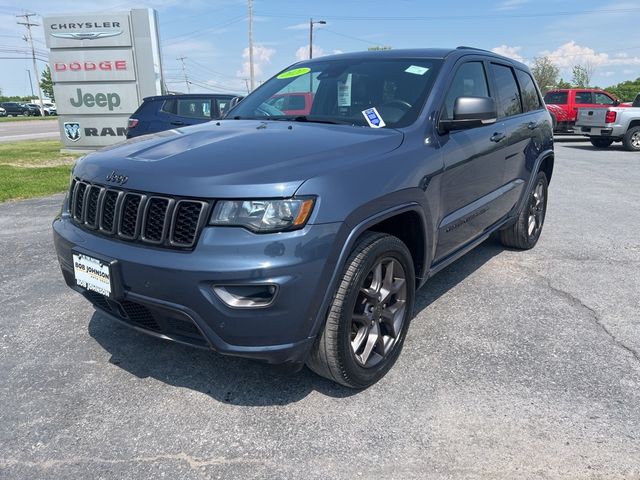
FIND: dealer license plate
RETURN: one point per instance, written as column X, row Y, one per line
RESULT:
column 92, row 274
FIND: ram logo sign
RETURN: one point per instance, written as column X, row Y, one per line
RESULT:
column 72, row 131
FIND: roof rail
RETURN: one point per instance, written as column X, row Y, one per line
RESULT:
column 464, row 47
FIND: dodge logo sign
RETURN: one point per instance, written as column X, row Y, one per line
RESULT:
column 72, row 131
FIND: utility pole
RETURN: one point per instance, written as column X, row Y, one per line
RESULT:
column 184, row 72
column 30, row 82
column 251, row 70
column 311, row 24
column 246, row 82
column 29, row 38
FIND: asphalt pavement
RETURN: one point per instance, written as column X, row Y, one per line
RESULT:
column 29, row 130
column 517, row 365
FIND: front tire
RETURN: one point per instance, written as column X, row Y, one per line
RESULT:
column 524, row 234
column 601, row 142
column 631, row 139
column 369, row 315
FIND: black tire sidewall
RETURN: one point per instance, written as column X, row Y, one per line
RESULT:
column 627, row 139
column 356, row 374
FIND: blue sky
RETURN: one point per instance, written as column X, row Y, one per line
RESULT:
column 213, row 34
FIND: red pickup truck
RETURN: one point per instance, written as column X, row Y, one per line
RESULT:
column 563, row 105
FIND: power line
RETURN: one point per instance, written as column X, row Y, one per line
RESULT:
column 458, row 17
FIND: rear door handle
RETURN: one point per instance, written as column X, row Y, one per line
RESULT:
column 497, row 136
column 532, row 125
column 177, row 123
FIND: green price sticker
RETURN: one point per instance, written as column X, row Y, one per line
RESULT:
column 296, row 72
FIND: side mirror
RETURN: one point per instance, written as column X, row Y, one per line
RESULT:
column 471, row 112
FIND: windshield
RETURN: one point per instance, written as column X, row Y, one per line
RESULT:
column 340, row 91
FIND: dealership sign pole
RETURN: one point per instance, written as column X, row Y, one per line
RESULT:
column 102, row 66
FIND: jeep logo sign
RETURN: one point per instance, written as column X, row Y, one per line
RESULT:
column 97, row 98
column 102, row 66
column 109, row 100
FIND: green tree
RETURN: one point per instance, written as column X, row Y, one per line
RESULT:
column 625, row 91
column 562, row 83
column 545, row 73
column 46, row 84
column 581, row 76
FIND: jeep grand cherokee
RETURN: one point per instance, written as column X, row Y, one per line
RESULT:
column 296, row 239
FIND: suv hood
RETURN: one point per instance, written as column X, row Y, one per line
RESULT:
column 236, row 158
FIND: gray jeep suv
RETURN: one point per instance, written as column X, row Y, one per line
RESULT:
column 303, row 238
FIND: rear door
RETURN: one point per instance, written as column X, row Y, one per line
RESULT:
column 473, row 165
column 527, row 129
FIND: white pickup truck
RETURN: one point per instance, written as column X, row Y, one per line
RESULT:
column 604, row 126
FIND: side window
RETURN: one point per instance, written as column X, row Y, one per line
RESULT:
column 223, row 105
column 528, row 91
column 194, row 107
column 507, row 93
column 469, row 81
column 602, row 99
column 556, row 98
column 583, row 98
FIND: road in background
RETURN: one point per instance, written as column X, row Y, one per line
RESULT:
column 517, row 365
column 29, row 130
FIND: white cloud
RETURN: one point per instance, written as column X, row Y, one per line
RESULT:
column 261, row 56
column 511, row 4
column 570, row 54
column 608, row 74
column 303, row 52
column 507, row 51
column 298, row 26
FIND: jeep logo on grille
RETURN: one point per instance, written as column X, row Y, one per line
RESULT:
column 117, row 178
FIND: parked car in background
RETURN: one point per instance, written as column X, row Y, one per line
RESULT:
column 35, row 109
column 292, row 239
column 3, row 112
column 49, row 109
column 165, row 112
column 298, row 103
column 563, row 105
column 15, row 109
column 614, row 124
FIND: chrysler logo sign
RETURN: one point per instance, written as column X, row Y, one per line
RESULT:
column 87, row 35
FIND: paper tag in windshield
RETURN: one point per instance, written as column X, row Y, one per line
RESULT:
column 344, row 91
column 373, row 118
column 417, row 70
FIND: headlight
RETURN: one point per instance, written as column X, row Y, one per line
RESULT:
column 263, row 215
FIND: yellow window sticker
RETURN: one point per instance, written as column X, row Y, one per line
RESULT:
column 296, row 72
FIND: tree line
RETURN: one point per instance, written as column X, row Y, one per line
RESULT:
column 547, row 74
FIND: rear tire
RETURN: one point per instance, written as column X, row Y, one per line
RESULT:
column 369, row 316
column 631, row 139
column 524, row 234
column 601, row 142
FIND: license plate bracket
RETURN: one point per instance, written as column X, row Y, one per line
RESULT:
column 95, row 273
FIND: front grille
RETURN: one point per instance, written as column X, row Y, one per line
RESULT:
column 133, row 216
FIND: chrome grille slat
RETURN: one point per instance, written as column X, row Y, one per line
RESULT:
column 133, row 216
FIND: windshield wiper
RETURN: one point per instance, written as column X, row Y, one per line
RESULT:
column 332, row 121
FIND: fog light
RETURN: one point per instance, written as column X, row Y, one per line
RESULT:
column 246, row 296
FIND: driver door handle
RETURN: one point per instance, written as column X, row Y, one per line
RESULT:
column 177, row 123
column 497, row 136
column 532, row 125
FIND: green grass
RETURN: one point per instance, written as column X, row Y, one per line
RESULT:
column 27, row 119
column 17, row 183
column 33, row 169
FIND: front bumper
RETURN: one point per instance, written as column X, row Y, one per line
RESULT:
column 169, row 293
